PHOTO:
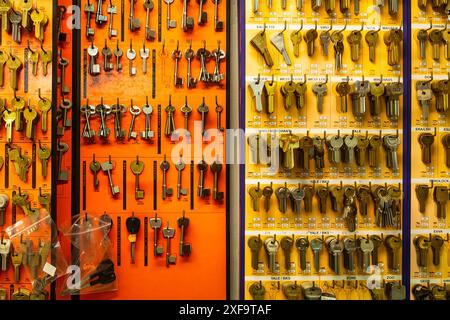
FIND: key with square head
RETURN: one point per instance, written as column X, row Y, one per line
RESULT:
column 169, row 233
column 100, row 19
column 155, row 224
column 180, row 165
column 255, row 194
column 5, row 248
column 422, row 245
column 441, row 197
column 150, row 34
column 436, row 40
column 4, row 57
column 94, row 67
column 112, row 10
column 393, row 245
column 361, row 150
column 310, row 38
column 437, row 242
column 170, row 23
column 257, row 290
column 135, row 112
column 186, row 21
column 89, row 9
column 216, row 168
column 30, row 115
column 426, row 141
column 134, row 23
column 288, row 90
column 271, row 246
column 118, row 54
column 320, row 89
column 133, row 225
column 255, row 244
column 44, row 154
column 185, row 248
column 165, row 166
column 137, row 167
column 203, row 15
column 131, row 55
column 286, row 244
column 190, row 56
column 62, row 148
column 107, row 167
column 147, row 134
column 259, row 42
column 218, row 24
column 107, row 54
column 14, row 65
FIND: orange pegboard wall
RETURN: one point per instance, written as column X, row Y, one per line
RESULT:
column 33, row 90
column 196, row 276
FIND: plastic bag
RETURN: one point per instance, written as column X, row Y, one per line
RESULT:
column 35, row 238
column 94, row 271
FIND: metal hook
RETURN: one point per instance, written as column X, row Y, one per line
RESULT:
column 381, row 80
column 362, row 27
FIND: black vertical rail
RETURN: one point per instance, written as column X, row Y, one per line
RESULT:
column 54, row 168
column 406, row 263
column 76, row 92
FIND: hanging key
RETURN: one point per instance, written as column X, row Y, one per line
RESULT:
column 203, row 110
column 155, row 224
column 147, row 110
column 286, row 244
column 259, row 42
column 133, row 225
column 354, row 39
column 343, row 90
column 202, row 14
column 111, row 10
column 202, row 192
column 100, row 19
column 165, row 166
column 426, row 141
column 169, row 233
column 180, row 165
column 320, row 89
column 218, row 24
column 135, row 112
column 170, row 23
column 218, row 55
column 176, row 56
column 94, row 68
column 62, row 148
column 186, row 109
column 131, row 55
column 204, row 55
column 14, row 65
column 441, row 198
column 107, row 54
column 185, row 248
column 144, row 53
column 118, row 110
column 103, row 111
column 95, row 168
column 150, row 34
column 118, row 54
column 30, row 115
column 137, row 167
column 272, row 245
column 89, row 9
column 186, row 21
column 424, row 95
column 134, row 23
column 4, row 200
column 257, row 90
column 376, row 94
column 15, row 19
column 169, row 127
column 310, row 39
column 372, row 41
column 216, row 168
column 190, row 55
column 107, row 168
column 255, row 244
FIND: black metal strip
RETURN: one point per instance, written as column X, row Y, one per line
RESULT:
column 159, row 129
column 122, row 20
column 26, row 70
column 145, row 241
column 84, row 186
column 76, row 91
column 84, row 72
column 154, row 73
column 124, row 184
column 6, row 166
column 192, row 184
column 119, row 236
column 33, row 165
column 159, row 20
column 14, row 210
column 155, row 185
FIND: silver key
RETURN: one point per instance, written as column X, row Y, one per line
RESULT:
column 148, row 133
column 365, row 250
column 302, row 244
column 257, row 89
column 279, row 44
column 320, row 90
column 316, row 247
column 144, row 53
column 94, row 68
column 272, row 245
column 5, row 247
column 170, row 23
column 424, row 95
column 131, row 55
column 112, row 10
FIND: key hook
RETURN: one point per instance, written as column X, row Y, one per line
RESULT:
column 381, row 80
column 273, row 79
column 326, row 80
column 15, row 95
column 315, row 25
column 39, row 94
column 347, row 80
column 131, row 44
column 204, row 44
column 431, row 25
column 29, row 48
column 345, row 27
column 362, row 27
column 110, row 161
column 304, row 79
column 146, row 100
column 292, row 78
column 301, row 25
column 217, row 101
column 331, row 25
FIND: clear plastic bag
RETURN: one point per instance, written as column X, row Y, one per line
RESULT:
column 35, row 238
column 93, row 271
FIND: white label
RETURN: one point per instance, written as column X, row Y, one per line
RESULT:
column 49, row 269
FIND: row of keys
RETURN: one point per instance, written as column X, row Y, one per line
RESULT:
column 15, row 65
column 118, row 111
column 26, row 17
column 134, row 24
column 330, row 6
column 22, row 163
column 433, row 292
column 437, row 38
column 28, row 257
column 346, row 200
column 438, row 6
column 392, row 40
column 351, row 252
column 360, row 92
column 426, row 141
column 440, row 197
column 137, row 168
column 425, row 90
column 294, row 291
column 423, row 244
column 133, row 224
column 24, row 294
column 298, row 151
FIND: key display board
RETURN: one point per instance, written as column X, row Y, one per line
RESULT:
column 322, row 107
column 430, row 168
column 27, row 148
column 153, row 113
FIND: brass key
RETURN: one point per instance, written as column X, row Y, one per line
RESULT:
column 259, row 42
column 270, row 91
column 44, row 154
column 422, row 194
column 14, row 65
column 4, row 57
column 441, row 197
column 137, row 167
column 31, row 117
